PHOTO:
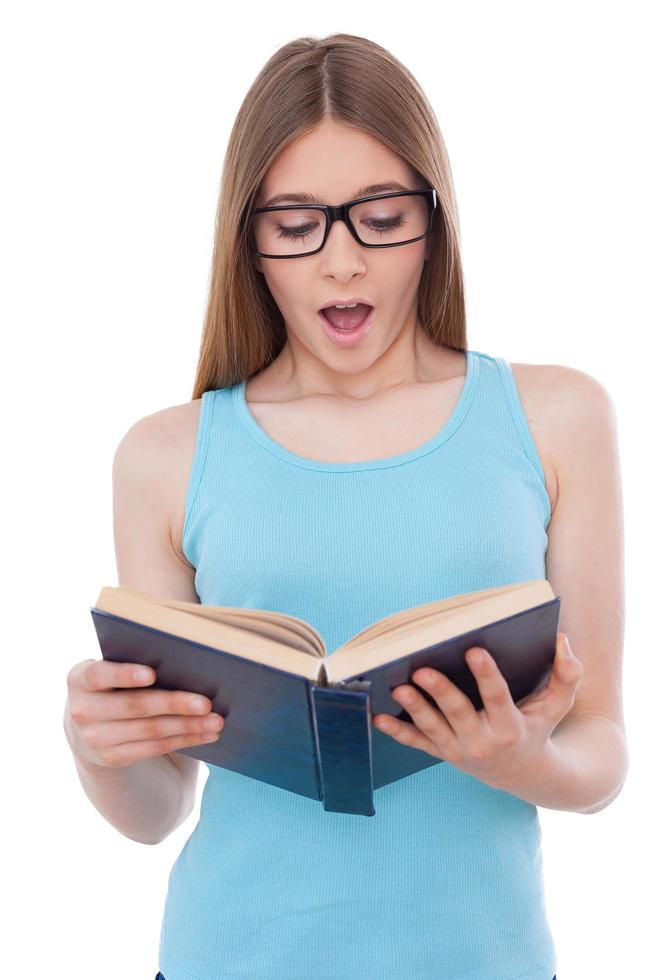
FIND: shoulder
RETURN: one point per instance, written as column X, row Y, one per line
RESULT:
column 563, row 395
column 158, row 444
column 154, row 457
column 565, row 407
column 162, row 431
column 562, row 381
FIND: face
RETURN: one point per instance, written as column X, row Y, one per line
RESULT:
column 332, row 162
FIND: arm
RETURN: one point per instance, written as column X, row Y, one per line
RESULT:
column 145, row 801
column 583, row 768
column 586, row 763
column 150, row 798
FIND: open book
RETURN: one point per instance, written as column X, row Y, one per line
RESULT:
column 299, row 718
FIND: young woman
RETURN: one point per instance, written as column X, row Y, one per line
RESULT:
column 340, row 466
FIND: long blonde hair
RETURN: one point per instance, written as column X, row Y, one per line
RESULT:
column 357, row 82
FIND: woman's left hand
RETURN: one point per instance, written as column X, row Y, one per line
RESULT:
column 499, row 744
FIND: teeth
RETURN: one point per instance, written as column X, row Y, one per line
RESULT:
column 345, row 306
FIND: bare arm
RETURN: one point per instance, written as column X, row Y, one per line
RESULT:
column 149, row 798
column 585, row 560
column 588, row 760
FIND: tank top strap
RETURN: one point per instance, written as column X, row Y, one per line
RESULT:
column 498, row 405
column 202, row 441
column 518, row 414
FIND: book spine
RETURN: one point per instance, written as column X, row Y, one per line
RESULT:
column 341, row 716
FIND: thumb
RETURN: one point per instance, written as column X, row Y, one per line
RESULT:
column 566, row 673
column 566, row 669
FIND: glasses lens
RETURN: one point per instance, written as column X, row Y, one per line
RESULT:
column 289, row 232
column 383, row 221
column 391, row 220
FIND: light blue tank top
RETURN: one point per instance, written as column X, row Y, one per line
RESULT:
column 445, row 881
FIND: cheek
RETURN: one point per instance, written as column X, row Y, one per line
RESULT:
column 399, row 271
column 288, row 289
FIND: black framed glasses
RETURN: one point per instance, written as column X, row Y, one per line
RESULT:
column 288, row 231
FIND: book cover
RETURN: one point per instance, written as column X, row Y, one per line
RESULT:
column 307, row 733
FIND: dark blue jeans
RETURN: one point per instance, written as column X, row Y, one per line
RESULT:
column 159, row 976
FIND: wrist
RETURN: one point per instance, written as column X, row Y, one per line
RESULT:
column 527, row 780
column 79, row 754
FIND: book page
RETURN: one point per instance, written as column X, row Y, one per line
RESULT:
column 279, row 627
column 178, row 619
column 348, row 661
column 395, row 622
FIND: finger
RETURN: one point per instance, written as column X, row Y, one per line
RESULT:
column 127, row 752
column 427, row 718
column 102, row 734
column 453, row 704
column 104, row 675
column 499, row 707
column 557, row 696
column 405, row 733
column 567, row 671
column 115, row 705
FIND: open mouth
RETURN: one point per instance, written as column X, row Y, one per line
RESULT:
column 346, row 328
column 348, row 318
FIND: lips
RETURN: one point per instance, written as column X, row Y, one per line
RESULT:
column 346, row 301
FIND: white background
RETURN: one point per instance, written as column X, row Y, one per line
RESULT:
column 115, row 119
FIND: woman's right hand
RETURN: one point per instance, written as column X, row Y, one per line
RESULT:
column 113, row 728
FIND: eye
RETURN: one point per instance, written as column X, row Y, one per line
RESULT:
column 386, row 224
column 295, row 232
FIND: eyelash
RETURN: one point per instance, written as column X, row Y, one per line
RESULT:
column 293, row 233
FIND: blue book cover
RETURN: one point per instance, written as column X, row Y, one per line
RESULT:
column 299, row 718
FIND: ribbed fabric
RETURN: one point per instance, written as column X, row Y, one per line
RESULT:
column 445, row 881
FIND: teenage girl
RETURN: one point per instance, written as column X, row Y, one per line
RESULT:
column 345, row 455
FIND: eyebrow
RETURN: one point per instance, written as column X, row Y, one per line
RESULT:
column 303, row 198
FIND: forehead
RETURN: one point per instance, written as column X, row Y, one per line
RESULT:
column 332, row 163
